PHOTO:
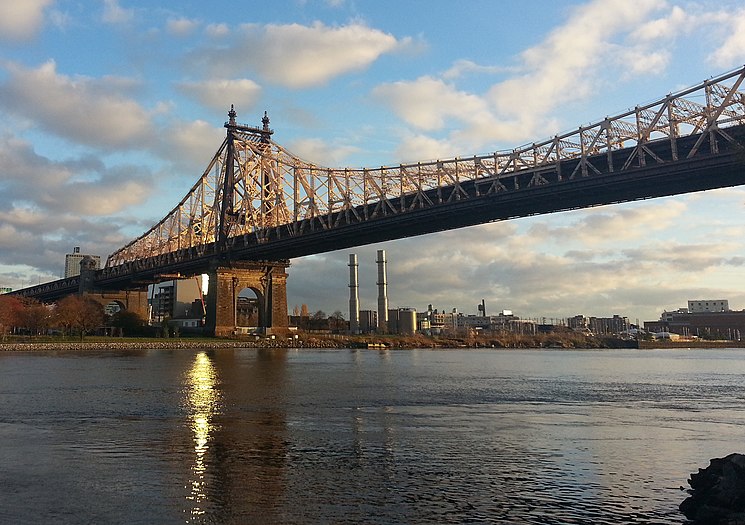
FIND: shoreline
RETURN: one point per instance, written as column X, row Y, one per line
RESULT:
column 343, row 342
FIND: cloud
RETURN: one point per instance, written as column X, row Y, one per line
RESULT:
column 114, row 14
column 298, row 56
column 218, row 94
column 181, row 26
column 217, row 30
column 732, row 50
column 84, row 185
column 561, row 68
column 610, row 225
column 464, row 67
column 95, row 112
column 426, row 102
column 48, row 206
column 319, row 152
column 192, row 148
column 20, row 21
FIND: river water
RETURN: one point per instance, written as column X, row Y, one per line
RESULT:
column 362, row 436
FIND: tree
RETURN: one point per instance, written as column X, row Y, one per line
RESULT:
column 80, row 314
column 336, row 322
column 129, row 323
column 36, row 318
column 11, row 310
column 318, row 320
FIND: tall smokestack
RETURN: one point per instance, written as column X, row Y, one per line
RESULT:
column 354, row 298
column 382, row 293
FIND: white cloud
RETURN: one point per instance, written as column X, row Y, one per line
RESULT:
column 672, row 25
column 181, row 26
column 732, row 51
column 299, row 56
column 192, row 148
column 218, row 94
column 217, row 30
column 611, row 225
column 84, row 185
column 90, row 111
column 113, row 13
column 319, row 152
column 464, row 67
column 561, row 68
column 20, row 20
column 426, row 102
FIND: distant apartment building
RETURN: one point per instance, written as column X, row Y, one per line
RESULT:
column 179, row 299
column 599, row 325
column 72, row 262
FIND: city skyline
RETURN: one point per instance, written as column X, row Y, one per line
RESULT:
column 112, row 110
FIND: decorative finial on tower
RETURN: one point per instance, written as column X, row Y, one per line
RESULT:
column 265, row 121
column 232, row 114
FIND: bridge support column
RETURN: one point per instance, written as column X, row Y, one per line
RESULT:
column 129, row 300
column 268, row 280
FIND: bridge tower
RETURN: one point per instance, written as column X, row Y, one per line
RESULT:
column 267, row 279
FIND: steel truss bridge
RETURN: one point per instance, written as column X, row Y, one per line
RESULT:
column 256, row 201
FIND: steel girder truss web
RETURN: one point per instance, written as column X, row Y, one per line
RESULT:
column 272, row 187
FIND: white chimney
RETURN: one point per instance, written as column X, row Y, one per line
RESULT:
column 354, row 298
column 382, row 293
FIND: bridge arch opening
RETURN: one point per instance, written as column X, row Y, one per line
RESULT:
column 114, row 307
column 250, row 315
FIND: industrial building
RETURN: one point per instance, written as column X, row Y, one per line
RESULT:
column 709, row 319
column 385, row 320
column 435, row 322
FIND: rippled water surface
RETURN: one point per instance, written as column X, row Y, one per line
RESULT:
column 283, row 436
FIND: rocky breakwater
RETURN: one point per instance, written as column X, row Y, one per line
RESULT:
column 717, row 494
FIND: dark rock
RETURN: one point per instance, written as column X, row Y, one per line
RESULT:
column 717, row 494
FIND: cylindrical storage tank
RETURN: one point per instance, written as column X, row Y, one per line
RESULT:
column 407, row 321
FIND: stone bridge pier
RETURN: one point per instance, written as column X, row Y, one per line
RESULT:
column 268, row 280
column 129, row 300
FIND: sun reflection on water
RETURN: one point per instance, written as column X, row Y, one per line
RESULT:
column 202, row 401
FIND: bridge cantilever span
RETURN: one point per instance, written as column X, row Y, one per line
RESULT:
column 257, row 200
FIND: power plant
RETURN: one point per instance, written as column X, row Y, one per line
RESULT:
column 402, row 320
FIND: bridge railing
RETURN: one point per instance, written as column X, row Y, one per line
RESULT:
column 272, row 187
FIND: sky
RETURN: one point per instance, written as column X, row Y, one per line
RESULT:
column 111, row 109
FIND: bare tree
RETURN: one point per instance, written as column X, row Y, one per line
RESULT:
column 336, row 322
